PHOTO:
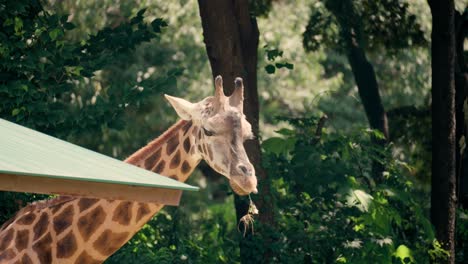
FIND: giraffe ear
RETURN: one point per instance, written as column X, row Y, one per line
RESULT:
column 181, row 106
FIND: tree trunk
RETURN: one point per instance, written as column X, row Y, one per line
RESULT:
column 363, row 72
column 368, row 88
column 231, row 37
column 443, row 196
column 461, row 91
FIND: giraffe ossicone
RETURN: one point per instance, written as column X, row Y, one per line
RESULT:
column 86, row 230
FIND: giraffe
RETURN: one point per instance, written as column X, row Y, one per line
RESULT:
column 70, row 229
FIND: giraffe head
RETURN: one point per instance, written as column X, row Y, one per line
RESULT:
column 222, row 130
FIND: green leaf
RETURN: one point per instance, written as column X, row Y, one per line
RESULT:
column 273, row 53
column 462, row 144
column 341, row 259
column 280, row 65
column 359, row 199
column 270, row 69
column 69, row 26
column 24, row 87
column 64, row 18
column 274, row 145
column 175, row 71
column 279, row 146
column 289, row 65
column 157, row 24
column 54, row 34
column 285, row 132
column 141, row 12
column 15, row 111
column 18, row 25
column 404, row 254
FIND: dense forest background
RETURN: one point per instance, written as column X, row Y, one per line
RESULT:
column 344, row 127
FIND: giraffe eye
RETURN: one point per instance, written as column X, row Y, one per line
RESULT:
column 208, row 132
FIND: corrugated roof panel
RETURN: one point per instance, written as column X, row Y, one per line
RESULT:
column 24, row 151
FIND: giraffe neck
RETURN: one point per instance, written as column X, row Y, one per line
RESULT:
column 84, row 230
column 173, row 154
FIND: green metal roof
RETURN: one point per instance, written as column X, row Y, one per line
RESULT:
column 24, row 151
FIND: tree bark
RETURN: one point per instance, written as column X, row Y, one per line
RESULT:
column 461, row 91
column 231, row 37
column 368, row 87
column 443, row 196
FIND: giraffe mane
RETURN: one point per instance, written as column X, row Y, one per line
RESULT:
column 156, row 143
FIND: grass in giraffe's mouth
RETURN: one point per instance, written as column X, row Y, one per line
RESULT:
column 247, row 220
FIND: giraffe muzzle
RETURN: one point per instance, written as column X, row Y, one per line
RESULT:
column 243, row 180
column 246, row 171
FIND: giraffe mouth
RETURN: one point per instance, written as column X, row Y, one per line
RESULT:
column 238, row 189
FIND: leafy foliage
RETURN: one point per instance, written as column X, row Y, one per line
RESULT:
column 41, row 72
column 331, row 211
column 52, row 85
column 272, row 55
column 383, row 24
column 260, row 7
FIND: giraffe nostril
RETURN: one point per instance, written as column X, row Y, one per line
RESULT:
column 244, row 169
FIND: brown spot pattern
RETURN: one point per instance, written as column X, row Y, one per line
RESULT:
column 26, row 259
column 108, row 242
column 7, row 255
column 175, row 160
column 204, row 149
column 187, row 145
column 6, row 239
column 160, row 167
column 195, row 131
column 185, row 167
column 200, row 149
column 174, row 177
column 26, row 219
column 41, row 226
column 22, row 239
column 67, row 246
column 172, row 144
column 86, row 258
column 153, row 158
column 90, row 222
column 57, row 207
column 186, row 127
column 63, row 220
column 123, row 213
column 142, row 211
column 210, row 152
column 85, row 203
column 43, row 249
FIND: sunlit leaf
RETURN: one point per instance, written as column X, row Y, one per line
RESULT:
column 403, row 253
column 359, row 199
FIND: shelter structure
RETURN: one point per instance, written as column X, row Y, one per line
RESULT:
column 31, row 161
